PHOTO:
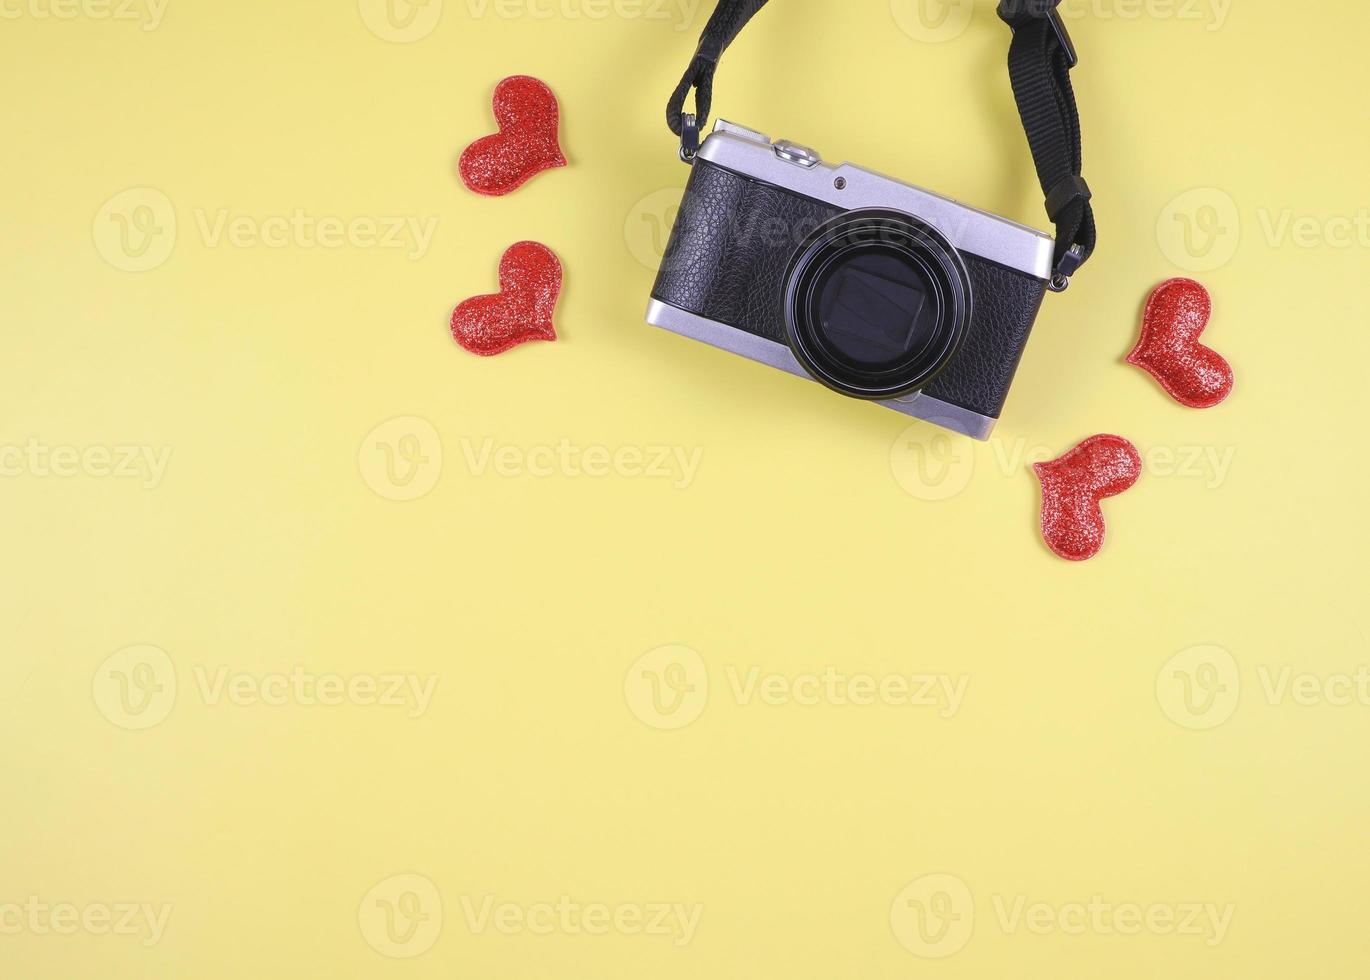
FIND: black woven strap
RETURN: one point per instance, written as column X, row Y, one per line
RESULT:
column 1039, row 63
column 728, row 19
column 1040, row 59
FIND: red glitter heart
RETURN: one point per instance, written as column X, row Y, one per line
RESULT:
column 526, row 144
column 1169, row 348
column 529, row 282
column 1072, row 486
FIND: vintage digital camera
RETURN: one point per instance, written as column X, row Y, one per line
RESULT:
column 877, row 289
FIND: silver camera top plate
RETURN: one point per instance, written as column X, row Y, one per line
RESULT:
column 800, row 170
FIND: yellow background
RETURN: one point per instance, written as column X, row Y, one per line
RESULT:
column 804, row 543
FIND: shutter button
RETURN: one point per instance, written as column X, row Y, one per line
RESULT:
column 796, row 154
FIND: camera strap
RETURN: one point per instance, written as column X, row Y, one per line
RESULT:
column 1041, row 56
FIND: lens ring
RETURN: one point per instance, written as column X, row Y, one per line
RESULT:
column 877, row 303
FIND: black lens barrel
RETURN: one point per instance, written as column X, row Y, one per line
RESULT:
column 877, row 303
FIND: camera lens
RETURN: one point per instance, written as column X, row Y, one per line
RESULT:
column 877, row 303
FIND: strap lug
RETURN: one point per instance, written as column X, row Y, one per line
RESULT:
column 689, row 138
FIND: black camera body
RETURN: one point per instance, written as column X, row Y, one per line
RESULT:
column 877, row 289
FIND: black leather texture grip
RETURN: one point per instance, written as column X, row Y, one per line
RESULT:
column 730, row 250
